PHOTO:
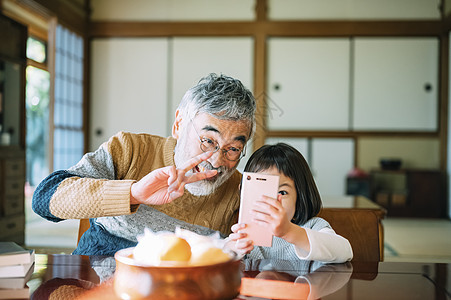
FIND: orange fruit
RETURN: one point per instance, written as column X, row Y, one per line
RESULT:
column 209, row 256
column 175, row 249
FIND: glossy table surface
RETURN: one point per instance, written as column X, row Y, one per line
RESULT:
column 71, row 276
column 350, row 202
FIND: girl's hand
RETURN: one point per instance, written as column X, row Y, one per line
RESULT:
column 269, row 212
column 238, row 242
column 163, row 185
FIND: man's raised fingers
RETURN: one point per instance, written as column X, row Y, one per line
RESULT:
column 200, row 176
column 195, row 161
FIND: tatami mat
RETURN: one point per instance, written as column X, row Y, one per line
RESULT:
column 51, row 238
column 425, row 240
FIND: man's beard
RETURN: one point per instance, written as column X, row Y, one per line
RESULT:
column 206, row 186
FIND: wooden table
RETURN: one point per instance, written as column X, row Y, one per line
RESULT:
column 68, row 276
column 351, row 202
column 355, row 217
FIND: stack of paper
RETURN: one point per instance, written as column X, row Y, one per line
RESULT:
column 16, row 267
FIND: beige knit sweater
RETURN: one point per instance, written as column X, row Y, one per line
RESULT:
column 102, row 187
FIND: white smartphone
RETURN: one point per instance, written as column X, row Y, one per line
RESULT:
column 253, row 186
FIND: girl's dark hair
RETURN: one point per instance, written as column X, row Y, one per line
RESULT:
column 292, row 164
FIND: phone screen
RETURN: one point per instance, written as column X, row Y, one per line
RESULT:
column 253, row 186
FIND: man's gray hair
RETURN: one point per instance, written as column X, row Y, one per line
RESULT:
column 221, row 96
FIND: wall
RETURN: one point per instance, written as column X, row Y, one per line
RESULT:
column 353, row 9
column 416, row 151
column 204, row 10
column 164, row 10
column 373, row 149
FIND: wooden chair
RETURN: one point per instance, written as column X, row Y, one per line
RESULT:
column 84, row 225
column 362, row 228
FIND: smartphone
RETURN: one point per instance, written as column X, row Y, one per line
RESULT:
column 253, row 186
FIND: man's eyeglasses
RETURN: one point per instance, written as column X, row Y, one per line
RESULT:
column 209, row 144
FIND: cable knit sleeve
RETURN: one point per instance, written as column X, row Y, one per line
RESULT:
column 91, row 188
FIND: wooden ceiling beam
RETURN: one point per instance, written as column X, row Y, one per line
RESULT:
column 268, row 28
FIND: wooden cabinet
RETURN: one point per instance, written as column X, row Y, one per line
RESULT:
column 396, row 84
column 359, row 84
column 12, row 133
column 308, row 84
column 195, row 57
column 12, row 184
column 409, row 193
column 137, row 83
column 129, row 87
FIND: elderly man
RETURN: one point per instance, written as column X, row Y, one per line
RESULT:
column 135, row 181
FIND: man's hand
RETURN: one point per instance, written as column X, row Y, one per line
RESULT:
column 163, row 185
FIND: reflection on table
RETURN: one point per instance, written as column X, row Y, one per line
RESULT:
column 71, row 276
column 276, row 279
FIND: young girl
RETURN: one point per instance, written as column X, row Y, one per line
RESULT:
column 291, row 218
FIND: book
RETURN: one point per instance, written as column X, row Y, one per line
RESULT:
column 15, row 282
column 16, row 270
column 13, row 254
column 22, row 293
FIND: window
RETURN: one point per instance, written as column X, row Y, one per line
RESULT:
column 68, row 143
column 36, row 50
column 37, row 115
column 54, row 112
column 67, row 127
column 37, row 111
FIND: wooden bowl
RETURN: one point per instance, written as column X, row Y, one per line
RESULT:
column 136, row 281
